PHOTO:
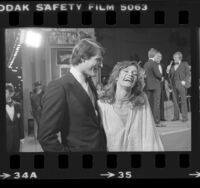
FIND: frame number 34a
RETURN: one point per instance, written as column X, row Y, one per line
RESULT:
column 25, row 175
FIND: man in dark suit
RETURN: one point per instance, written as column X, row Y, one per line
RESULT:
column 179, row 76
column 70, row 105
column 36, row 103
column 14, row 121
column 153, row 71
column 163, row 91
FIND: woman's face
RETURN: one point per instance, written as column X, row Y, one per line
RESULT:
column 128, row 77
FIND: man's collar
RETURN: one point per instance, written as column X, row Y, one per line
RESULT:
column 152, row 59
column 77, row 74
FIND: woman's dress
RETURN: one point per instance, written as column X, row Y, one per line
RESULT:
column 137, row 134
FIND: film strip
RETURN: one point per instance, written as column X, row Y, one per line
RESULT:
column 180, row 162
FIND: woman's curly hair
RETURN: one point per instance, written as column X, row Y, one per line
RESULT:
column 137, row 95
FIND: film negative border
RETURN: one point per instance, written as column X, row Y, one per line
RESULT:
column 90, row 165
column 107, row 165
column 110, row 18
column 143, row 14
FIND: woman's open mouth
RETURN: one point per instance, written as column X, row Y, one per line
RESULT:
column 129, row 79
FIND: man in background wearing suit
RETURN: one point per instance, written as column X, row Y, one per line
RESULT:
column 153, row 71
column 70, row 105
column 36, row 103
column 179, row 75
column 14, row 121
column 163, row 91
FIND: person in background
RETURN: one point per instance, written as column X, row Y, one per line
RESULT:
column 154, row 76
column 180, row 81
column 36, row 103
column 163, row 92
column 14, row 121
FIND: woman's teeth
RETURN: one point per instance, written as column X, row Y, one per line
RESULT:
column 129, row 79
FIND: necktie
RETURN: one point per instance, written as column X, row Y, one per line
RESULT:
column 89, row 91
column 91, row 95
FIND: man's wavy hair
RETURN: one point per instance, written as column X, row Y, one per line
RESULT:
column 85, row 49
column 137, row 95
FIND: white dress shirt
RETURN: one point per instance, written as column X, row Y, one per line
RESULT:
column 160, row 68
column 11, row 111
column 176, row 66
column 79, row 77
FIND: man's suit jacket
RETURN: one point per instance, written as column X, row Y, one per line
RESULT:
column 68, row 109
column 153, row 75
column 182, row 73
column 14, row 128
column 36, row 104
column 165, row 76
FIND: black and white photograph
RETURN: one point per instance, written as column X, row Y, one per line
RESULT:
column 98, row 89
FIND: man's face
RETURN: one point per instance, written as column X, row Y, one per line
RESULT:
column 128, row 77
column 90, row 66
column 158, row 58
column 176, row 58
column 8, row 95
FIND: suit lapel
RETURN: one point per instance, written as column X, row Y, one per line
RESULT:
column 95, row 97
column 82, row 96
column 179, row 67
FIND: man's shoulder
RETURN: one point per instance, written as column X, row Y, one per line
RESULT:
column 150, row 62
column 62, row 82
column 147, row 63
column 64, row 79
column 185, row 64
column 33, row 97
